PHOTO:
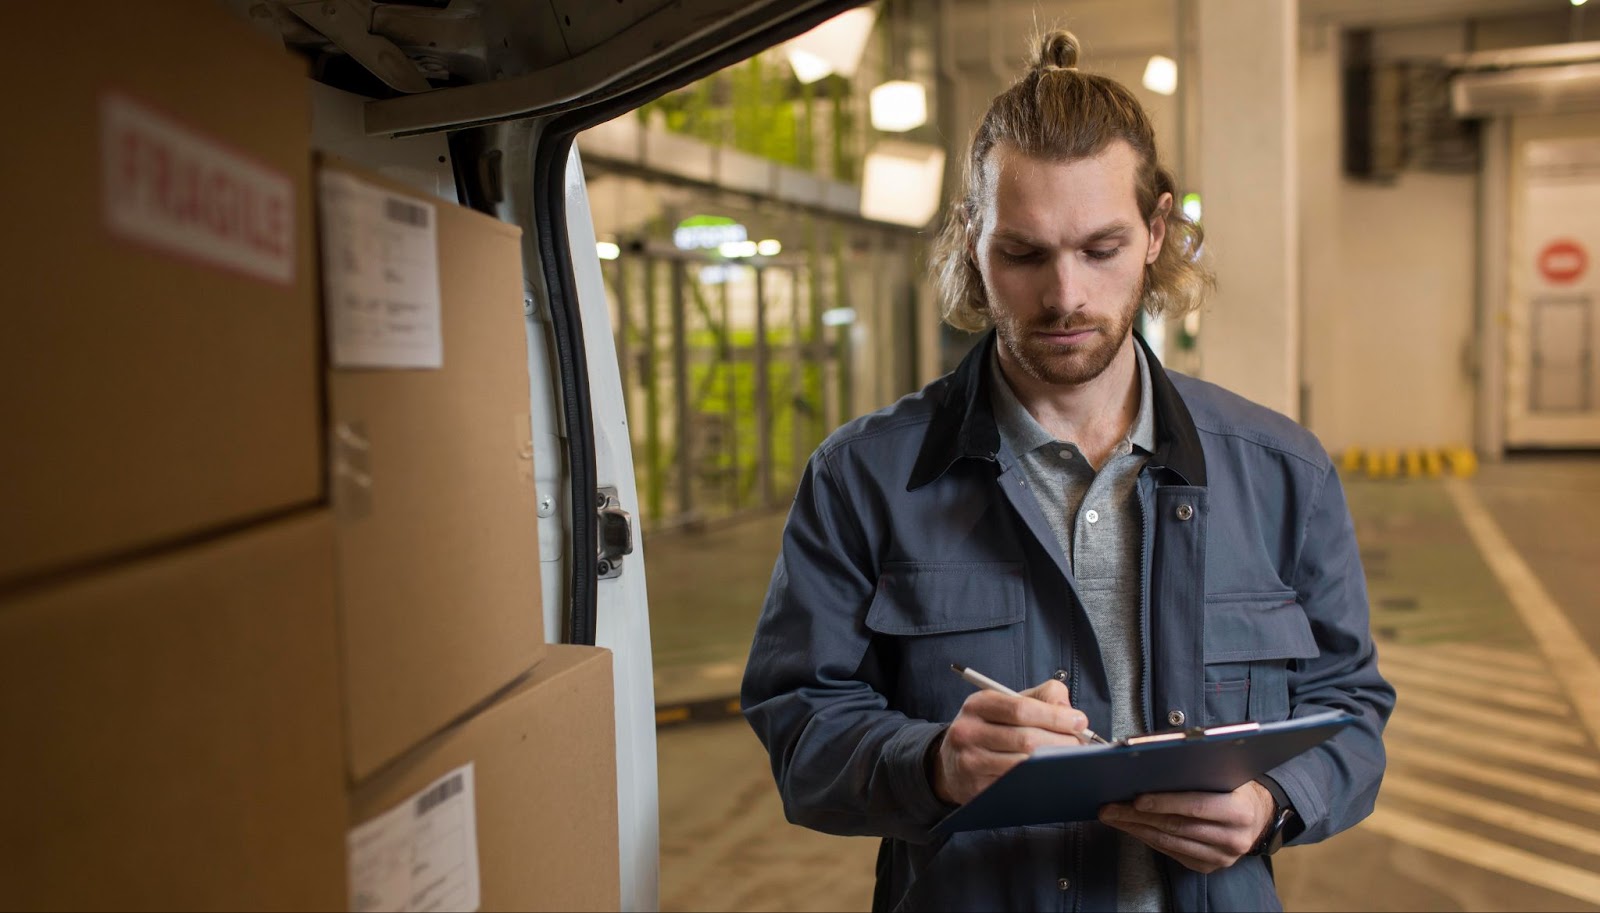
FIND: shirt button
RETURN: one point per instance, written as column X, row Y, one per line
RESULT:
column 1060, row 676
column 1066, row 454
column 1175, row 717
column 1185, row 511
column 1064, row 884
column 1092, row 516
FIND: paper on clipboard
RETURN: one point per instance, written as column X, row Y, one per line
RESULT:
column 1071, row 783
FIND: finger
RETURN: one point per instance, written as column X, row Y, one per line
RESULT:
column 971, row 730
column 1224, row 808
column 1226, row 842
column 1193, row 855
column 1050, row 691
column 1023, row 739
column 1005, row 710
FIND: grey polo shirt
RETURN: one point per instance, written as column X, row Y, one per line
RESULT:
column 1098, row 522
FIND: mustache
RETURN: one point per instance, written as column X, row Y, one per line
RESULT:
column 1072, row 325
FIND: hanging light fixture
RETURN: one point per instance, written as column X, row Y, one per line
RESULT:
column 899, row 105
column 834, row 46
column 808, row 67
column 901, row 182
column 1161, row 75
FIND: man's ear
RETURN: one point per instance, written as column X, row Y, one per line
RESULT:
column 1158, row 227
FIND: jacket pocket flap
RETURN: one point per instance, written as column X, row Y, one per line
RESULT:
column 1246, row 628
column 915, row 598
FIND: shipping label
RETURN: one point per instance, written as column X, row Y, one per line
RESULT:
column 421, row 855
column 380, row 270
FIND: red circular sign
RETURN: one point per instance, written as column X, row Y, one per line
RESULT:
column 1562, row 262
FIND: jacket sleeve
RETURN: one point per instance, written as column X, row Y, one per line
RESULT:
column 1333, row 786
column 844, row 763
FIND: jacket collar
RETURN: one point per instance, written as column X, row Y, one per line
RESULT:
column 964, row 426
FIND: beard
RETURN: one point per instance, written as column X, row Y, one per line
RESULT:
column 1067, row 365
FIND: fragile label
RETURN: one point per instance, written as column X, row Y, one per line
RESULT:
column 421, row 854
column 171, row 187
column 380, row 268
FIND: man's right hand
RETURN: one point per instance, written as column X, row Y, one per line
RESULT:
column 995, row 732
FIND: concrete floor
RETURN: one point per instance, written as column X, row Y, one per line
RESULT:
column 1492, row 797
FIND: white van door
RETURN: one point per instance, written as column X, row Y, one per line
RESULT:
column 509, row 84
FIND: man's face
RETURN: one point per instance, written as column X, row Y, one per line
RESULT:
column 1062, row 252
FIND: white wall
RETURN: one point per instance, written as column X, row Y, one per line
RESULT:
column 1389, row 275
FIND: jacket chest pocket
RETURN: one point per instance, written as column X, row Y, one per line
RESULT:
column 927, row 616
column 1250, row 640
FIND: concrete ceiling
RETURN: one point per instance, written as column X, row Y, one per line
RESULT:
column 1125, row 28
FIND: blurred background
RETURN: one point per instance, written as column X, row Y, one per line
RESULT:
column 1402, row 202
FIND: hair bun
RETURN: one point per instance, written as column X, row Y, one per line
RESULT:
column 1057, row 51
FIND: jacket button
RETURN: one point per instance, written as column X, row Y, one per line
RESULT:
column 1175, row 717
column 1185, row 511
column 1064, row 884
column 1060, row 676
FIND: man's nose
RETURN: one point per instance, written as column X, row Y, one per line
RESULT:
column 1066, row 292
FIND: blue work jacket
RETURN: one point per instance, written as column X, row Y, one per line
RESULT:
column 914, row 542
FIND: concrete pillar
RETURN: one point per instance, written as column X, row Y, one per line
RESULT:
column 1249, row 337
column 1328, row 407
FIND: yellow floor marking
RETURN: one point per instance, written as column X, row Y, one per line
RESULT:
column 1473, row 850
column 1517, row 781
column 1570, row 658
column 1509, row 724
column 1527, row 660
column 1469, row 688
column 1499, row 814
column 1472, row 740
column 1421, row 658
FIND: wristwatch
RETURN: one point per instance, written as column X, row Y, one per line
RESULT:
column 1282, row 817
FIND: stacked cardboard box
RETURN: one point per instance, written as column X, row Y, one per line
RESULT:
column 160, row 352
column 270, row 618
column 169, row 681
column 477, row 751
column 172, row 731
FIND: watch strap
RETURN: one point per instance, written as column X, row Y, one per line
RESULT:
column 1283, row 815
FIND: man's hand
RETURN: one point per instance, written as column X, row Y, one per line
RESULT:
column 1204, row 831
column 994, row 732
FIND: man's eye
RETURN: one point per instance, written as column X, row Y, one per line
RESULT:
column 1103, row 254
column 1023, row 256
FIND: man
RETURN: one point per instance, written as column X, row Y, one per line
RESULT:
column 1061, row 509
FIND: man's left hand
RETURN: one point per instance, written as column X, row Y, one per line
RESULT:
column 1203, row 831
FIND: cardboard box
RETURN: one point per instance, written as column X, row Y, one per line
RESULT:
column 542, row 826
column 159, row 366
column 172, row 731
column 432, row 456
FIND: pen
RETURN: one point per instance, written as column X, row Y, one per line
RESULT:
column 989, row 684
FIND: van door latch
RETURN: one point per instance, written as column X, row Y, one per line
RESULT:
column 616, row 532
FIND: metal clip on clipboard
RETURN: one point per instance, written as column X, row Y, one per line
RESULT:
column 1183, row 735
column 1071, row 782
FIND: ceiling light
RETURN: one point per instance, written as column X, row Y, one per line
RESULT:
column 838, row 317
column 898, row 106
column 901, row 182
column 1161, row 75
column 808, row 67
column 606, row 250
column 837, row 43
column 769, row 248
column 738, row 249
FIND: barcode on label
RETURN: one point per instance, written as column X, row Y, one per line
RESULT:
column 439, row 795
column 406, row 212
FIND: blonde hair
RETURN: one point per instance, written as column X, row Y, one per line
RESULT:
column 1058, row 113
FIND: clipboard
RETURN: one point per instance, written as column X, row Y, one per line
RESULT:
column 1070, row 783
